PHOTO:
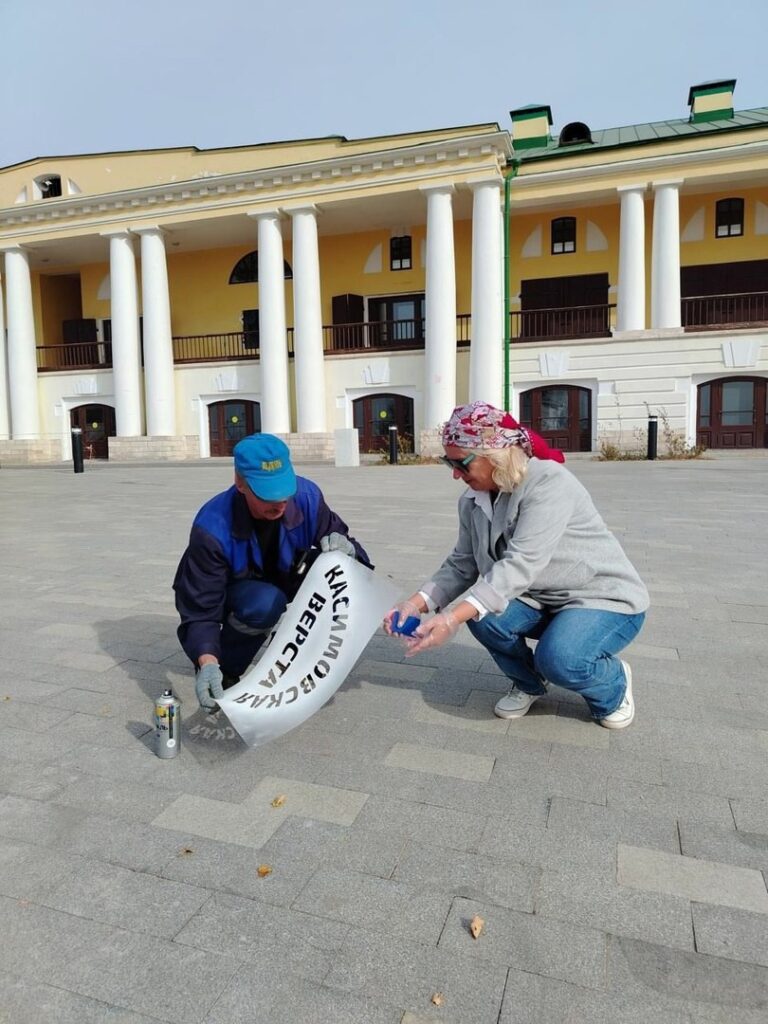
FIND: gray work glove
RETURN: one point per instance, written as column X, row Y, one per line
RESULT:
column 208, row 686
column 338, row 542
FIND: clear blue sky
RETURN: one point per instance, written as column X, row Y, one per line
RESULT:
column 79, row 76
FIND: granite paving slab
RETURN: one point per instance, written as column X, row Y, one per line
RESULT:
column 729, row 933
column 701, row 880
column 528, row 942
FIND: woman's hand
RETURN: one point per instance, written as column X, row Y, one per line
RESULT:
column 432, row 633
column 412, row 606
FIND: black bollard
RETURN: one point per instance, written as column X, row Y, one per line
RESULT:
column 653, row 435
column 77, row 449
column 393, row 446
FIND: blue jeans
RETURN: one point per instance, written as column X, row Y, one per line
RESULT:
column 253, row 607
column 576, row 650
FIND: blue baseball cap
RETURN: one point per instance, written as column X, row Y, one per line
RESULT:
column 264, row 462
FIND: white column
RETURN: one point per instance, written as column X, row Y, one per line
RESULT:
column 309, row 365
column 22, row 353
column 440, row 313
column 630, row 312
column 485, row 354
column 159, row 393
column 273, row 347
column 5, row 416
column 665, row 259
column 125, row 335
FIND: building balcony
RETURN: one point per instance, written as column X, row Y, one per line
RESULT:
column 74, row 356
column 559, row 324
column 699, row 313
column 338, row 339
column 725, row 312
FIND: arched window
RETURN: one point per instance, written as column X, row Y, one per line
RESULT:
column 729, row 218
column 230, row 421
column 732, row 413
column 48, row 186
column 561, row 413
column 373, row 415
column 246, row 270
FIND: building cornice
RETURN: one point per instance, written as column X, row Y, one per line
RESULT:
column 276, row 184
column 648, row 166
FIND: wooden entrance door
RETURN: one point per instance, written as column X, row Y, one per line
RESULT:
column 732, row 413
column 561, row 414
column 375, row 414
column 231, row 421
column 97, row 423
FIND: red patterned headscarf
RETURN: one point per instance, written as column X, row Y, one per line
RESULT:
column 480, row 425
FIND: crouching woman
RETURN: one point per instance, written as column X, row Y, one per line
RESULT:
column 533, row 560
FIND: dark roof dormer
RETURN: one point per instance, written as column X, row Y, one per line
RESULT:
column 574, row 134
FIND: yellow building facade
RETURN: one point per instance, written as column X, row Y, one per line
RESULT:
column 168, row 302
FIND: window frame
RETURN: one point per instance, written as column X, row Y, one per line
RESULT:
column 401, row 252
column 563, row 226
column 50, row 186
column 384, row 328
column 725, row 213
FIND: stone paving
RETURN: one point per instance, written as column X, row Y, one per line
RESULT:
column 621, row 876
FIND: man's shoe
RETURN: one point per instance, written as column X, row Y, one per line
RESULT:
column 516, row 704
column 625, row 712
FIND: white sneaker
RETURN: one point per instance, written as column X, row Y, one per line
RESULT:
column 625, row 712
column 516, row 704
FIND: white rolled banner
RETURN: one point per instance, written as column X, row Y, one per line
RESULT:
column 319, row 639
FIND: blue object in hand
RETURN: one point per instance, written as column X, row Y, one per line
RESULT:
column 405, row 628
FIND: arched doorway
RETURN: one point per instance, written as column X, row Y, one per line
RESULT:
column 373, row 415
column 97, row 423
column 230, row 421
column 560, row 413
column 732, row 413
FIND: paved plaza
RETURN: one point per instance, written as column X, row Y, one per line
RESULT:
column 621, row 876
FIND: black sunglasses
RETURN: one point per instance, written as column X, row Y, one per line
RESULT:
column 459, row 464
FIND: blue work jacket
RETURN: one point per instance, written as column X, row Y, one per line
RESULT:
column 224, row 549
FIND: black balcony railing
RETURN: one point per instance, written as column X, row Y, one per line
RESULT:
column 376, row 334
column 88, row 355
column 201, row 348
column 568, row 322
column 708, row 312
column 357, row 337
column 712, row 312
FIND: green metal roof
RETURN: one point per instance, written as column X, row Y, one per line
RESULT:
column 642, row 134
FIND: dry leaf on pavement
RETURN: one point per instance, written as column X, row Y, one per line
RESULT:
column 476, row 926
column 263, row 870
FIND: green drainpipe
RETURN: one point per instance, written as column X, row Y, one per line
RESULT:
column 514, row 166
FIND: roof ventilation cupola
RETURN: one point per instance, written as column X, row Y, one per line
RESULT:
column 575, row 133
column 711, row 101
column 530, row 126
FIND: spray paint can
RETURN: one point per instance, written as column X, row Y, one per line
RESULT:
column 167, row 725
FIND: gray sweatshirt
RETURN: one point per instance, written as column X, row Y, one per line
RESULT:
column 544, row 543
